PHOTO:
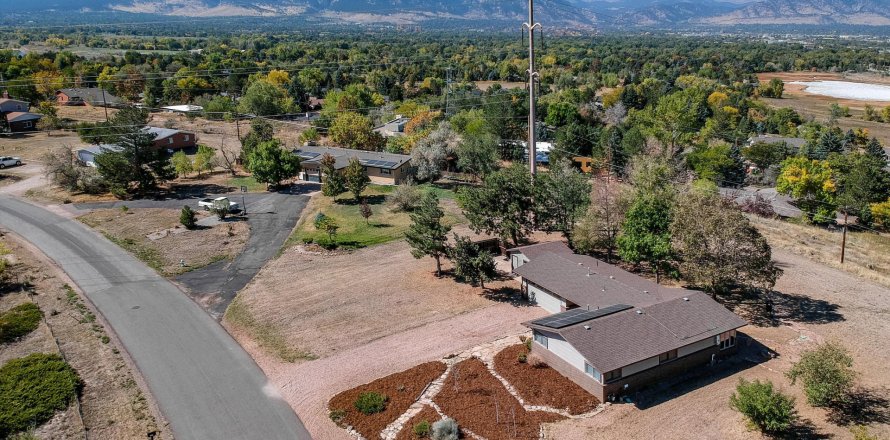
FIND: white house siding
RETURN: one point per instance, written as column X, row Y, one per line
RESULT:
column 639, row 366
column 545, row 300
column 558, row 346
column 697, row 346
column 518, row 260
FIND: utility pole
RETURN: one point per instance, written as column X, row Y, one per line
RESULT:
column 532, row 75
column 844, row 240
column 447, row 90
column 104, row 103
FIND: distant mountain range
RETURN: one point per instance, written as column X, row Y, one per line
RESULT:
column 566, row 13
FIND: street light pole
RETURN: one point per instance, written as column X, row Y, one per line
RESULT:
column 532, row 75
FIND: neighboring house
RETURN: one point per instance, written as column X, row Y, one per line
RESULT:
column 613, row 332
column 20, row 122
column 171, row 139
column 93, row 96
column 382, row 168
column 315, row 103
column 794, row 144
column 88, row 155
column 394, row 128
column 8, row 105
column 185, row 108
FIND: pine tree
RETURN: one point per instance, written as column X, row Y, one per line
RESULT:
column 471, row 262
column 187, row 217
column 876, row 150
column 332, row 181
column 427, row 235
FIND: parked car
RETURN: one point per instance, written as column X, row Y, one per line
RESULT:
column 9, row 161
column 209, row 204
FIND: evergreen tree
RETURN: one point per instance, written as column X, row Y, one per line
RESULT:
column 876, row 150
column 470, row 262
column 356, row 178
column 427, row 235
column 187, row 217
column 562, row 195
column 332, row 181
column 137, row 167
column 502, row 205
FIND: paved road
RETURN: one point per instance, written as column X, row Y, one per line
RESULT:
column 204, row 383
column 272, row 216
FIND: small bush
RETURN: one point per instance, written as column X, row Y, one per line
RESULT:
column 767, row 409
column 32, row 389
column 337, row 415
column 187, row 218
column 308, row 240
column 826, row 372
column 445, row 429
column 528, row 344
column 523, row 358
column 371, row 403
column 19, row 321
column 125, row 208
column 405, row 198
column 422, row 429
column 861, row 433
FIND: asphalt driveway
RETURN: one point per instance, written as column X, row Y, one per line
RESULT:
column 272, row 217
column 204, row 383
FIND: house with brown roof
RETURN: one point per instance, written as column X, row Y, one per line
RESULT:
column 21, row 122
column 382, row 168
column 613, row 332
column 172, row 139
column 93, row 96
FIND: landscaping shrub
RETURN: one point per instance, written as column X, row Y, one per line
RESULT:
column 445, row 429
column 337, row 415
column 19, row 321
column 405, row 198
column 187, row 218
column 861, row 433
column 767, row 409
column 32, row 389
column 422, row 429
column 370, row 403
column 523, row 358
column 826, row 372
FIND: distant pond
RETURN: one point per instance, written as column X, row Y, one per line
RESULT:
column 847, row 90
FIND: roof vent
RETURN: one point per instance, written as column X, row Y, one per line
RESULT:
column 639, row 312
column 611, row 277
column 646, row 292
column 586, row 327
column 685, row 299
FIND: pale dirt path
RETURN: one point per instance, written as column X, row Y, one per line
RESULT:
column 308, row 387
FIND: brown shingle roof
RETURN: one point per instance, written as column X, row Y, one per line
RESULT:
column 22, row 116
column 624, row 338
column 534, row 250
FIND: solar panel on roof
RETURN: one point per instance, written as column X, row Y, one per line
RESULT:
column 576, row 316
column 388, row 164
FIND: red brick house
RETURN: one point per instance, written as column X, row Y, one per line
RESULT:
column 171, row 139
column 87, row 96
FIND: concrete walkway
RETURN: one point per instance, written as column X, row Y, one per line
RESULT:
column 204, row 383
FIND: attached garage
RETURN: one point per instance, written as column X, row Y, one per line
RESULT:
column 545, row 300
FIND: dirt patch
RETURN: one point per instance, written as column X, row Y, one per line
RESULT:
column 305, row 300
column 130, row 229
column 427, row 414
column 480, row 403
column 111, row 406
column 538, row 384
column 401, row 389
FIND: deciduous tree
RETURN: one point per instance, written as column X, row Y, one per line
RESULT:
column 427, row 235
column 471, row 263
column 503, row 205
column 272, row 164
column 561, row 195
column 600, row 226
column 811, row 184
column 826, row 373
column 356, row 178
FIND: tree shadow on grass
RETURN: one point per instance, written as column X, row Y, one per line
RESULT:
column 372, row 200
column 381, row 225
column 863, row 407
column 771, row 309
column 192, row 190
column 510, row 295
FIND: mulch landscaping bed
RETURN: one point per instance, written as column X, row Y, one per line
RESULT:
column 401, row 389
column 538, row 384
column 428, row 414
column 480, row 403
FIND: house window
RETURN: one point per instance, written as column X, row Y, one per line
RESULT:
column 170, row 140
column 385, row 171
column 593, row 372
column 541, row 339
column 667, row 357
column 185, row 138
column 27, row 124
column 727, row 340
column 612, row 375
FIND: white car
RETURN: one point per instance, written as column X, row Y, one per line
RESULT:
column 208, row 204
column 9, row 161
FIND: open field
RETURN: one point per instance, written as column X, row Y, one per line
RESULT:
column 156, row 237
column 815, row 303
column 112, row 406
column 344, row 300
column 818, row 107
column 384, row 226
column 868, row 254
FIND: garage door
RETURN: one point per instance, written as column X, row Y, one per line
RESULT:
column 544, row 300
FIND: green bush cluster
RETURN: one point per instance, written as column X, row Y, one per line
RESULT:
column 19, row 321
column 826, row 372
column 370, row 403
column 32, row 389
column 767, row 409
column 422, row 429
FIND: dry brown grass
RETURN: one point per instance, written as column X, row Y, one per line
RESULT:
column 322, row 304
column 113, row 406
column 868, row 254
column 130, row 228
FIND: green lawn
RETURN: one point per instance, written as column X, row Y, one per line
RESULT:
column 251, row 184
column 384, row 225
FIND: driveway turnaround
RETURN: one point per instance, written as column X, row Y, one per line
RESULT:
column 205, row 384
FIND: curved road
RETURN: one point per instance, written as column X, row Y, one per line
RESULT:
column 205, row 384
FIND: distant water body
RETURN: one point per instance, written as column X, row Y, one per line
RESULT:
column 847, row 90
